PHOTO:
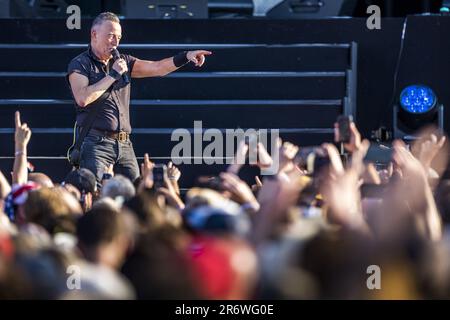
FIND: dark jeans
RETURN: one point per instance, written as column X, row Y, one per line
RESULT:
column 98, row 152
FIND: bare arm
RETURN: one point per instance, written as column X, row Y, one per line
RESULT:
column 420, row 197
column 84, row 93
column 147, row 68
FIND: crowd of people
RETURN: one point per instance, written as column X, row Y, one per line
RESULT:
column 299, row 234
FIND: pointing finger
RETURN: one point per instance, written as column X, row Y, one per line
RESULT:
column 17, row 119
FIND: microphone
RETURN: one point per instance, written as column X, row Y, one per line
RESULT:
column 116, row 55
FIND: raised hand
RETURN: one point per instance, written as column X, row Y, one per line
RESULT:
column 264, row 158
column 174, row 174
column 419, row 196
column 411, row 167
column 287, row 152
column 171, row 195
column 341, row 188
column 355, row 137
column 239, row 158
column 257, row 186
column 109, row 169
column 239, row 190
column 275, row 197
column 146, row 173
column 22, row 134
column 429, row 149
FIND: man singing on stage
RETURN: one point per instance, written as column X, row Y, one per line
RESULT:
column 100, row 82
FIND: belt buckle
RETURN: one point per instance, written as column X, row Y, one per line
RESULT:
column 122, row 136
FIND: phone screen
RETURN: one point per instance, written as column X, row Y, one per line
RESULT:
column 159, row 175
column 344, row 128
column 379, row 154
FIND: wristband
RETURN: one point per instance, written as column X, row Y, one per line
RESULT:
column 114, row 74
column 180, row 59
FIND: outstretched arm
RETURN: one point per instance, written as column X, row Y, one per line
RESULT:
column 147, row 68
column 21, row 138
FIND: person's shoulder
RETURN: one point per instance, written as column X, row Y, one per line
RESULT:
column 83, row 58
column 81, row 63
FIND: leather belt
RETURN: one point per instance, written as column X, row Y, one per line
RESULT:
column 121, row 136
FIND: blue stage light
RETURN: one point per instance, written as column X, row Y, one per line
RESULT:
column 417, row 99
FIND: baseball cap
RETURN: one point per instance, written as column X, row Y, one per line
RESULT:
column 216, row 221
column 83, row 179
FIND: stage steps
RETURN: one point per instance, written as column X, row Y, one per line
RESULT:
column 298, row 88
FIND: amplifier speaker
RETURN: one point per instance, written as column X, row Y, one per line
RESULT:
column 165, row 9
column 311, row 9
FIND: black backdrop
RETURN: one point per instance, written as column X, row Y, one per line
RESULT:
column 426, row 55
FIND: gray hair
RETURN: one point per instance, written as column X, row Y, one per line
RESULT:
column 105, row 16
column 118, row 186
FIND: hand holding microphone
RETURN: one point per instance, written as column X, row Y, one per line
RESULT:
column 120, row 65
